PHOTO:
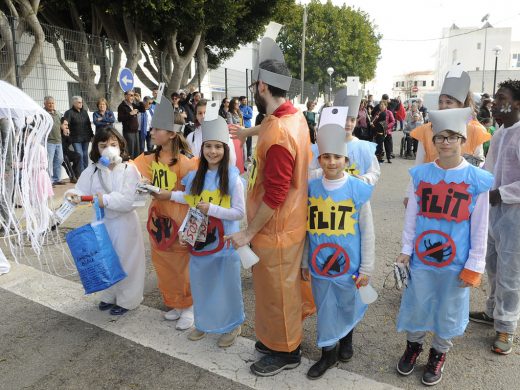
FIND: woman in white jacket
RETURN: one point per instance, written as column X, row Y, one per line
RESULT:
column 115, row 182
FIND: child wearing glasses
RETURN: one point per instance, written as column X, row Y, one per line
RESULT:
column 444, row 242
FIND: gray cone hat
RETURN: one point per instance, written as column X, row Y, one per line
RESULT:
column 331, row 133
column 456, row 84
column 269, row 50
column 163, row 117
column 331, row 139
column 455, row 119
column 343, row 99
column 214, row 127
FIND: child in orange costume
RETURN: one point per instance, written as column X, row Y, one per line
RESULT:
column 165, row 168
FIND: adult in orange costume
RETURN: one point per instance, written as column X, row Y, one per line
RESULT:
column 454, row 94
column 276, row 210
column 165, row 167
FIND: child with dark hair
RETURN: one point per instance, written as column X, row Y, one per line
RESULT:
column 216, row 190
column 444, row 241
column 114, row 182
column 165, row 168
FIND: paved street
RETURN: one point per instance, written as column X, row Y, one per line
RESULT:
column 53, row 337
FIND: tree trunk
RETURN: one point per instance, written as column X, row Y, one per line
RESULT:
column 7, row 70
column 29, row 15
column 202, row 64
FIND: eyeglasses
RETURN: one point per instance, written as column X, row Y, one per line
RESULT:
column 439, row 139
column 252, row 87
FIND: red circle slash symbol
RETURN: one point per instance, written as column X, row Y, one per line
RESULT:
column 442, row 252
column 334, row 265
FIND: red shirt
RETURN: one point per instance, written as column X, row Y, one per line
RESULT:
column 279, row 166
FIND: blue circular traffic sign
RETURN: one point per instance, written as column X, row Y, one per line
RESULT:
column 126, row 79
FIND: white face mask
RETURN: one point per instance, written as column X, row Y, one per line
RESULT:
column 110, row 155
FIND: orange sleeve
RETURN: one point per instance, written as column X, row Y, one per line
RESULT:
column 420, row 133
column 470, row 277
column 143, row 165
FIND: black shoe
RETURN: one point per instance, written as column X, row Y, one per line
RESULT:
column 118, row 310
column 389, row 162
column 328, row 359
column 276, row 362
column 392, row 155
column 105, row 306
column 262, row 348
column 433, row 369
column 345, row 348
column 407, row 362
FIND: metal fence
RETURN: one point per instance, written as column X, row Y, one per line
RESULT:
column 74, row 63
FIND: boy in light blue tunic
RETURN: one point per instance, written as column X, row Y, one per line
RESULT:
column 340, row 242
column 444, row 240
column 363, row 162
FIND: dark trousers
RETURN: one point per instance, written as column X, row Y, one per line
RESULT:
column 72, row 163
column 249, row 146
column 146, row 140
column 132, row 144
column 389, row 146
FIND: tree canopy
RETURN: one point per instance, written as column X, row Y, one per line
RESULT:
column 339, row 37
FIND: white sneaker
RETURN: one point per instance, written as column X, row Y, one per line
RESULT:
column 186, row 319
column 173, row 315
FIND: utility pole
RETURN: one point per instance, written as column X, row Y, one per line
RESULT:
column 302, row 71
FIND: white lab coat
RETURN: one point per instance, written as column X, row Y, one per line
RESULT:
column 123, row 227
column 4, row 263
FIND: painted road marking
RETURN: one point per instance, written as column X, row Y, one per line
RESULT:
column 147, row 327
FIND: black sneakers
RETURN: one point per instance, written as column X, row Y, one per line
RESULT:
column 407, row 362
column 345, row 347
column 433, row 370
column 328, row 359
column 481, row 317
column 275, row 362
column 262, row 348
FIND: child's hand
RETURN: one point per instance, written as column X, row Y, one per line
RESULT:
column 203, row 207
column 74, row 199
column 100, row 200
column 162, row 195
column 464, row 284
column 362, row 280
column 306, row 274
column 402, row 258
column 182, row 242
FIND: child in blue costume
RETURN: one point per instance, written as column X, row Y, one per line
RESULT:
column 341, row 244
column 216, row 189
column 444, row 240
column 363, row 162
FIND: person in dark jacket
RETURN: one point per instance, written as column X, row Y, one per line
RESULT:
column 80, row 129
column 71, row 159
column 127, row 115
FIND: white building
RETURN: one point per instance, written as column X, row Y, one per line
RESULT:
column 473, row 47
column 414, row 84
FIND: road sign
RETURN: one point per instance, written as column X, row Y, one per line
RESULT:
column 126, row 79
column 415, row 89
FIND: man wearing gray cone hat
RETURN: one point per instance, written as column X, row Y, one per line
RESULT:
column 276, row 210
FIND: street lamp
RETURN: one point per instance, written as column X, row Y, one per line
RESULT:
column 330, row 70
column 497, row 49
column 484, row 19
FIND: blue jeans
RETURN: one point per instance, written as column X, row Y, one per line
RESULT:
column 54, row 160
column 82, row 149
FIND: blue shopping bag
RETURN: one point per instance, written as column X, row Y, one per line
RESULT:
column 96, row 260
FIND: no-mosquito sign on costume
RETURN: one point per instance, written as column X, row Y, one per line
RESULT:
column 335, row 244
column 214, row 264
column 170, row 259
column 434, row 300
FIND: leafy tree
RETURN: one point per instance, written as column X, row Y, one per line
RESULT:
column 25, row 12
column 340, row 37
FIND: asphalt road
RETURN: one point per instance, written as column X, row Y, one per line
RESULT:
column 43, row 349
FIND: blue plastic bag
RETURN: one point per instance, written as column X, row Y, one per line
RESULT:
column 96, row 260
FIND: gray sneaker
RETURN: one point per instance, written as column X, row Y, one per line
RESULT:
column 481, row 317
column 228, row 339
column 503, row 344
